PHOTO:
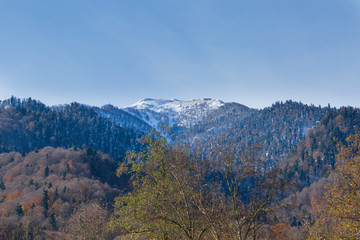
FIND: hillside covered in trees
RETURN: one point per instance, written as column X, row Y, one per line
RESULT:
column 43, row 189
column 28, row 124
column 81, row 172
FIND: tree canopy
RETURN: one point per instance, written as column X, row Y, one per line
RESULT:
column 338, row 215
column 179, row 195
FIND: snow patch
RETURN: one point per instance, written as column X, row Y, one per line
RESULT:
column 173, row 111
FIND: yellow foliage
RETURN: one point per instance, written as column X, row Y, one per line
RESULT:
column 338, row 215
column 25, row 207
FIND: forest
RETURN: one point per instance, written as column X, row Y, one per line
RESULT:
column 172, row 193
column 70, row 174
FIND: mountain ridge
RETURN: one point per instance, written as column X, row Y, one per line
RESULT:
column 82, row 145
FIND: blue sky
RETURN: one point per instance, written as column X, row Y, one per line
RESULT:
column 254, row 52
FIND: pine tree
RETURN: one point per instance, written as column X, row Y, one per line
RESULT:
column 2, row 185
column 56, row 194
column 46, row 171
column 52, row 222
column 45, row 200
column 18, row 210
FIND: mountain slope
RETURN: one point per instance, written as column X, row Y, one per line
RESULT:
column 123, row 118
column 276, row 129
column 49, row 183
column 189, row 120
column 213, row 124
column 29, row 124
column 313, row 157
column 173, row 112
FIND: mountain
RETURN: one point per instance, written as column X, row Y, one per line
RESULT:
column 173, row 112
column 214, row 123
column 123, row 118
column 189, row 120
column 43, row 149
column 314, row 155
column 204, row 122
column 50, row 183
column 28, row 124
column 275, row 129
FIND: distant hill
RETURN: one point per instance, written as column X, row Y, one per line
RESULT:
column 28, row 124
column 313, row 157
column 72, row 151
column 51, row 182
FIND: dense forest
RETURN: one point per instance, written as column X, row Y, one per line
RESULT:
column 289, row 171
column 28, row 124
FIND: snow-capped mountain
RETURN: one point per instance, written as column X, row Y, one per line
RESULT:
column 200, row 123
column 191, row 120
column 173, row 112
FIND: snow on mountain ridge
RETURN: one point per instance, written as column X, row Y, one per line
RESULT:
column 173, row 111
column 161, row 105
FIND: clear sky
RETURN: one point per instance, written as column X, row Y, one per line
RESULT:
column 254, row 52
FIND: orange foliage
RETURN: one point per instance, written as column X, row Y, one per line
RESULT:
column 35, row 200
column 13, row 196
column 8, row 179
column 25, row 208
column 279, row 230
column 4, row 212
column 313, row 201
column 339, row 120
column 70, row 163
column 56, row 207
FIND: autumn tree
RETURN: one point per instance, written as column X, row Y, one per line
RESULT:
column 88, row 222
column 178, row 194
column 251, row 190
column 162, row 204
column 338, row 215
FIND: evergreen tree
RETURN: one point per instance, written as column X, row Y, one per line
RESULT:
column 19, row 232
column 56, row 194
column 45, row 200
column 18, row 210
column 2, row 185
column 46, row 171
column 52, row 222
